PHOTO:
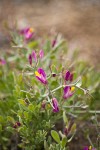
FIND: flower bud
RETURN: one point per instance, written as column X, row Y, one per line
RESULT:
column 54, row 75
column 55, row 105
column 18, row 124
column 43, row 105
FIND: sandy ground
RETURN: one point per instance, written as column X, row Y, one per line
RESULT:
column 77, row 20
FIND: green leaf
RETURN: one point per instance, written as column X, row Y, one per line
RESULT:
column 0, row 127
column 33, row 44
column 1, row 119
column 64, row 141
column 22, row 102
column 53, row 68
column 47, row 46
column 55, row 136
column 71, row 138
column 5, row 139
column 31, row 107
column 10, row 129
column 65, row 118
column 73, row 128
column 10, row 119
column 79, row 83
column 45, row 145
column 20, row 78
column 26, row 114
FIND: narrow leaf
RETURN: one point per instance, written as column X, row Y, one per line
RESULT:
column 55, row 136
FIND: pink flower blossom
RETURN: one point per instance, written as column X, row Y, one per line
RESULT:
column 68, row 76
column 2, row 62
column 27, row 32
column 55, row 105
column 34, row 55
column 68, row 92
column 41, row 53
column 41, row 76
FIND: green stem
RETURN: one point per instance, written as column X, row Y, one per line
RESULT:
column 61, row 86
column 90, row 140
column 87, row 111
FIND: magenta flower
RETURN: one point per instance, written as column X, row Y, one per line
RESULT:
column 15, row 126
column 41, row 53
column 68, row 92
column 68, row 76
column 27, row 32
column 18, row 124
column 55, row 105
column 34, row 55
column 2, row 62
column 41, row 76
column 86, row 148
column 89, row 148
column 30, row 59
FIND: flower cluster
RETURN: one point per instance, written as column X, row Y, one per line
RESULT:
column 68, row 90
column 35, row 56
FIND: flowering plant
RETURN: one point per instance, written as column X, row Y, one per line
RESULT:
column 45, row 92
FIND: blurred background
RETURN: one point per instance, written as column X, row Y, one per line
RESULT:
column 77, row 20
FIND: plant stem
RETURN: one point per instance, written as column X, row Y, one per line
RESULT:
column 87, row 111
column 90, row 140
column 61, row 86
